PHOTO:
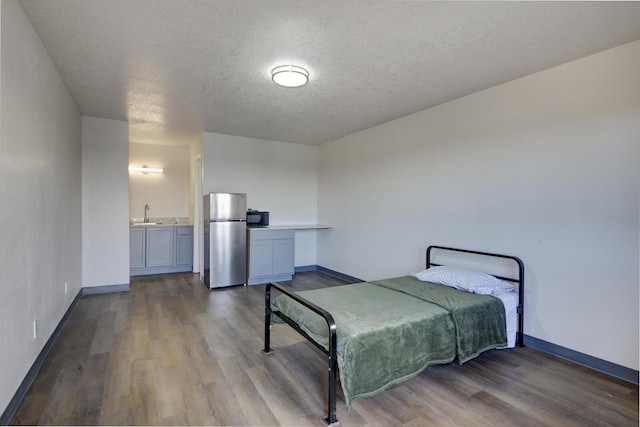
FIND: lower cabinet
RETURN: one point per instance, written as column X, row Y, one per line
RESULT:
column 160, row 249
column 136, row 247
column 184, row 246
column 270, row 255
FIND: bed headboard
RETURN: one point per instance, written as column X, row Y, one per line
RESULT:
column 519, row 281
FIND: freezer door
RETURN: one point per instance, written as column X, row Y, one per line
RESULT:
column 226, row 206
column 227, row 254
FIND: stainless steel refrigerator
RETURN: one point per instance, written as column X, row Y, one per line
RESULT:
column 225, row 239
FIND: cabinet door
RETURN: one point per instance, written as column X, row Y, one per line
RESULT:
column 184, row 250
column 159, row 247
column 261, row 258
column 136, row 248
column 283, row 256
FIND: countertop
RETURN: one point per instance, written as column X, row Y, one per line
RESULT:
column 159, row 224
column 269, row 227
column 292, row 227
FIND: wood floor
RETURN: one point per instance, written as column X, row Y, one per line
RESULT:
column 171, row 352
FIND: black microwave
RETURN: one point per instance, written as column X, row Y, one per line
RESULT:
column 257, row 218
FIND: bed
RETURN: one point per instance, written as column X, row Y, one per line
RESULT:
column 379, row 333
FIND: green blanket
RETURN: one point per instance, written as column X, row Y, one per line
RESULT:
column 480, row 319
column 387, row 332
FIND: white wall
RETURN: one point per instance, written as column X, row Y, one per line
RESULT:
column 195, row 152
column 105, row 202
column 545, row 167
column 167, row 194
column 195, row 202
column 278, row 177
column 40, row 212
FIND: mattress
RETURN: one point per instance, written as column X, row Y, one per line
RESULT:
column 510, row 302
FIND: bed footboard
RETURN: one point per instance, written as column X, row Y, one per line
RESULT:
column 331, row 418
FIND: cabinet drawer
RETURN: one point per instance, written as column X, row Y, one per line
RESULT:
column 187, row 231
column 267, row 234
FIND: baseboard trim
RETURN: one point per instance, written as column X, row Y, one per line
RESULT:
column 303, row 268
column 600, row 365
column 106, row 289
column 146, row 271
column 28, row 380
column 330, row 272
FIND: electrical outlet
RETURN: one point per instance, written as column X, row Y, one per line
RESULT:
column 35, row 329
column 66, row 288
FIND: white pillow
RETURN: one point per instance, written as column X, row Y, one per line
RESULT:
column 465, row 280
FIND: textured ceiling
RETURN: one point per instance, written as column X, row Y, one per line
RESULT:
column 176, row 68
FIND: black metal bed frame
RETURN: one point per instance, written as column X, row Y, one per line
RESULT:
column 331, row 418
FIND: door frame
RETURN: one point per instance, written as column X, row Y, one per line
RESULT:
column 197, row 217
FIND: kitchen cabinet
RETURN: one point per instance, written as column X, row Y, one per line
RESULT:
column 136, row 247
column 157, row 249
column 270, row 255
column 184, row 246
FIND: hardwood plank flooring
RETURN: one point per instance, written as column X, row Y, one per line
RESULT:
column 171, row 352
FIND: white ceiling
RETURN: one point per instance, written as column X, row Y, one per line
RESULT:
column 176, row 68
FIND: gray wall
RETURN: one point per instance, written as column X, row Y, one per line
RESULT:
column 40, row 212
column 105, row 202
column 545, row 167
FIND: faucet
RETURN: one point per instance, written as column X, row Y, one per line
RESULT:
column 146, row 213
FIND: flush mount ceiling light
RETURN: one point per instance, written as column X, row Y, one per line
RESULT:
column 145, row 169
column 290, row 76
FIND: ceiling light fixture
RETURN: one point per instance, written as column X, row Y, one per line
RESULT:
column 145, row 169
column 290, row 76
